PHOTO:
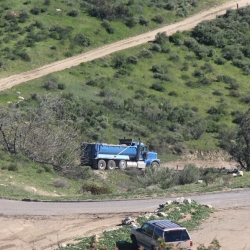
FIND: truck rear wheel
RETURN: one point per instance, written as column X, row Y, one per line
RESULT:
column 122, row 165
column 101, row 165
column 111, row 165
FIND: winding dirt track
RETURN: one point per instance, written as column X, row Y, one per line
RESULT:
column 187, row 24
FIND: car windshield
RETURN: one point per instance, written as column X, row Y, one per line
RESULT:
column 176, row 235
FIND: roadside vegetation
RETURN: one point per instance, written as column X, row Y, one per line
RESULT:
column 34, row 33
column 22, row 179
column 191, row 216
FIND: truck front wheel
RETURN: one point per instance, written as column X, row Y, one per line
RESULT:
column 122, row 165
column 155, row 164
column 111, row 165
column 101, row 165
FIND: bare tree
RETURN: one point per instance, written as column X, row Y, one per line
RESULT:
column 40, row 132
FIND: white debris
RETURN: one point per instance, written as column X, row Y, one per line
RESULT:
column 187, row 201
column 21, row 97
column 199, row 181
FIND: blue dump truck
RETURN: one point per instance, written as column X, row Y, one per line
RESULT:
column 126, row 154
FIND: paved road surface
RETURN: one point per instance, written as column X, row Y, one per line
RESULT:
column 230, row 199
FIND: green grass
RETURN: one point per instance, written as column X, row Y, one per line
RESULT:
column 41, row 52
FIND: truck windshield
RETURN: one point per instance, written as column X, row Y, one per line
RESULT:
column 176, row 235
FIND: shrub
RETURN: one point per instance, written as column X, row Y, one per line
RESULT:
column 35, row 11
column 143, row 21
column 95, row 188
column 190, row 174
column 59, row 183
column 209, row 175
column 156, row 47
column 173, row 93
column 61, row 86
column 78, row 173
column 132, row 59
column 220, row 60
column 23, row 16
column 13, row 167
column 234, row 93
column 92, row 83
column 158, row 19
column 161, row 38
column 174, row 58
column 157, row 87
column 146, row 53
column 81, row 40
column 73, row 13
column 217, row 92
column 131, row 22
column 50, row 84
column 227, row 179
column 40, row 170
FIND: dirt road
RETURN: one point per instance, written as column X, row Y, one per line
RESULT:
column 186, row 24
column 26, row 225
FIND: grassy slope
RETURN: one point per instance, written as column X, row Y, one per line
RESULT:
column 41, row 52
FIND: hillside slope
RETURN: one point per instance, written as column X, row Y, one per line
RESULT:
column 186, row 24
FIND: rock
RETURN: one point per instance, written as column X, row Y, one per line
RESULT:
column 127, row 221
column 161, row 214
column 162, row 205
column 179, row 200
column 199, row 181
column 169, row 202
column 187, row 201
column 240, row 173
column 234, row 174
column 209, row 206
column 20, row 97
column 147, row 215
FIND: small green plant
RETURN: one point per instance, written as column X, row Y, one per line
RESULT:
column 13, row 167
column 60, row 183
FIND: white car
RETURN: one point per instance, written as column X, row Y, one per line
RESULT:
column 148, row 234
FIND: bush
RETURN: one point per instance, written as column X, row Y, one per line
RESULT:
column 220, row 60
column 145, row 53
column 95, row 188
column 61, row 86
column 158, row 19
column 173, row 93
column 35, row 11
column 59, row 183
column 132, row 59
column 190, row 174
column 13, row 167
column 143, row 21
column 217, row 92
column 40, row 170
column 73, row 13
column 50, row 84
column 157, row 87
column 161, row 38
column 156, row 47
column 78, row 173
column 209, row 175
